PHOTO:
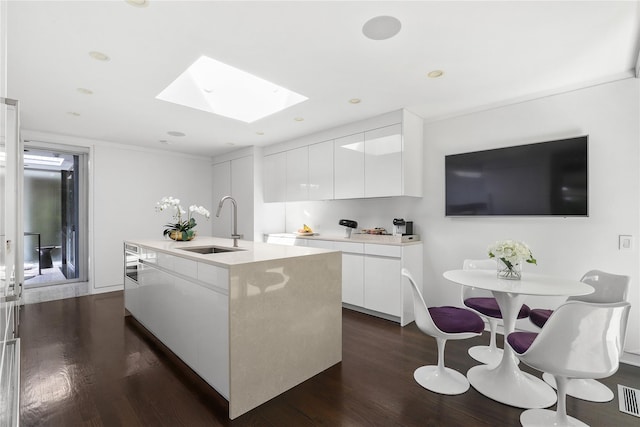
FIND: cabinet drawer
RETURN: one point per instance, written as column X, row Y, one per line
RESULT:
column 383, row 250
column 213, row 276
column 355, row 248
column 183, row 266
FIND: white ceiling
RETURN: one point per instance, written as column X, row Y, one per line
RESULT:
column 491, row 53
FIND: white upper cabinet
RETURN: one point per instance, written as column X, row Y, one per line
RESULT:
column 297, row 176
column 378, row 157
column 275, row 177
column 349, row 167
column 221, row 188
column 321, row 171
column 233, row 178
column 242, row 192
column 383, row 162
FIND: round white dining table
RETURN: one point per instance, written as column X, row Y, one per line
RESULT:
column 506, row 383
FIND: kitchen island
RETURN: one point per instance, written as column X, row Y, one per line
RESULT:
column 252, row 321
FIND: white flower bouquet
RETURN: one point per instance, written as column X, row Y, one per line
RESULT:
column 180, row 229
column 510, row 255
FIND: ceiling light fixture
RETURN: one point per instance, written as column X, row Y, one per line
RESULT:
column 164, row 141
column 354, row 101
column 381, row 27
column 85, row 91
column 260, row 133
column 299, row 119
column 73, row 113
column 175, row 133
column 228, row 92
column 435, row 74
column 98, row 56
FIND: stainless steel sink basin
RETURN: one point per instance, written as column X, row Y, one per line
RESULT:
column 211, row 249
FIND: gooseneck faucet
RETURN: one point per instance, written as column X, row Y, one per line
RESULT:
column 235, row 236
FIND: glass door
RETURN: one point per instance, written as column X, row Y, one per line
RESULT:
column 11, row 271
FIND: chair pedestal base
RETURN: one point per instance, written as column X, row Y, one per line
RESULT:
column 443, row 381
column 509, row 385
column 486, row 354
column 585, row 389
column 546, row 417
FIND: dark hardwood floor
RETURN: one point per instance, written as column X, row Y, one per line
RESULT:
column 83, row 364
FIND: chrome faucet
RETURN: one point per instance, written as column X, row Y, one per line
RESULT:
column 235, row 236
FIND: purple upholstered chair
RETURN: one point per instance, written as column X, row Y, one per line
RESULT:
column 608, row 288
column 442, row 323
column 482, row 302
column 580, row 340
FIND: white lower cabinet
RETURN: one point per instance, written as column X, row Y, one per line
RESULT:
column 188, row 316
column 371, row 276
column 382, row 278
column 353, row 281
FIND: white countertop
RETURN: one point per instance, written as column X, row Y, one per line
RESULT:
column 249, row 251
column 357, row 238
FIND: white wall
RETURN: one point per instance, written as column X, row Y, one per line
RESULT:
column 125, row 184
column 569, row 247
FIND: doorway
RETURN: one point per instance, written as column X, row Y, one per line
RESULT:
column 55, row 215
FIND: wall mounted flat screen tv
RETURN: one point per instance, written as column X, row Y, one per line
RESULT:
column 543, row 179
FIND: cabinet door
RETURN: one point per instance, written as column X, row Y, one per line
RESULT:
column 353, row 279
column 297, row 177
column 321, row 171
column 221, row 188
column 275, row 177
column 382, row 290
column 349, row 166
column 242, row 192
column 383, row 161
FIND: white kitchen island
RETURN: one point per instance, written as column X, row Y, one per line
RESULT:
column 252, row 322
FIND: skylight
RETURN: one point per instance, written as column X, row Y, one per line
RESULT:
column 218, row 88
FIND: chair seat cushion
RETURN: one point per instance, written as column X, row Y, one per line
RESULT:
column 489, row 307
column 521, row 341
column 455, row 319
column 539, row 316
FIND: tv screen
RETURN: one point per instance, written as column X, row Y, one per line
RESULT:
column 546, row 179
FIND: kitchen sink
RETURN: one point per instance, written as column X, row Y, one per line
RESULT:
column 211, row 249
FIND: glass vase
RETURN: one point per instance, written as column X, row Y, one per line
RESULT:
column 509, row 271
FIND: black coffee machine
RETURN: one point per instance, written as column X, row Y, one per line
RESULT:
column 402, row 227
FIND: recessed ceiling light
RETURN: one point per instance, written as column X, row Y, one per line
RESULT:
column 234, row 93
column 381, row 27
column 99, row 56
column 259, row 133
column 354, row 101
column 231, row 144
column 73, row 113
column 85, row 91
column 138, row 3
column 435, row 74
column 299, row 119
column 163, row 141
column 175, row 133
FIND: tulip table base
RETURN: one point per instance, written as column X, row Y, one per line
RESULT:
column 515, row 388
column 545, row 417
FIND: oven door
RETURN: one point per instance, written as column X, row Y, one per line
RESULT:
column 131, row 262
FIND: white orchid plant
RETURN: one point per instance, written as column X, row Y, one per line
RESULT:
column 180, row 225
column 511, row 252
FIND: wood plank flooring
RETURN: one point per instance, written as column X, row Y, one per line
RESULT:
column 83, row 364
